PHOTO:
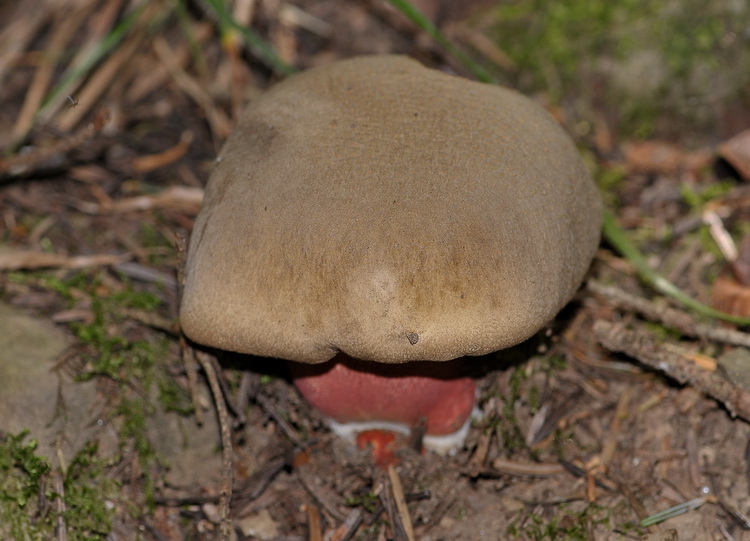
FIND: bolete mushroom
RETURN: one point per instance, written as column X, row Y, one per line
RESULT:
column 376, row 211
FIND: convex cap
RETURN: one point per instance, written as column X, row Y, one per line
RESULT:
column 391, row 212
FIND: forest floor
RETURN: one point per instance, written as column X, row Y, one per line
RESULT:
column 627, row 405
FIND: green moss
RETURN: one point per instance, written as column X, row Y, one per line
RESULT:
column 555, row 363
column 610, row 180
column 110, row 352
column 662, row 333
column 654, row 64
column 22, row 470
column 155, row 243
column 174, row 398
column 113, row 347
column 507, row 425
column 27, row 494
column 534, row 399
column 697, row 197
column 89, row 496
column 567, row 525
column 134, row 413
column 369, row 502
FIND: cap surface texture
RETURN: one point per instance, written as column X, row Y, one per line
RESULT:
column 391, row 212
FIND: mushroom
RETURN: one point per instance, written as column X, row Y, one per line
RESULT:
column 374, row 212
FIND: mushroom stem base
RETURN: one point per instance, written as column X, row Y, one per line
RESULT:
column 368, row 395
column 446, row 444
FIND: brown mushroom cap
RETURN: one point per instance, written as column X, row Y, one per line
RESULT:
column 391, row 212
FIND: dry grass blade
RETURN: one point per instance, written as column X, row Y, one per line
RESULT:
column 44, row 74
column 313, row 523
column 191, row 369
column 398, row 496
column 294, row 16
column 478, row 459
column 347, row 529
column 144, row 164
column 483, row 44
column 27, row 19
column 154, row 75
column 221, row 125
column 100, row 23
column 98, row 83
column 255, row 485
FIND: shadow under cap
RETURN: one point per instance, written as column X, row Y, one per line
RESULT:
column 391, row 212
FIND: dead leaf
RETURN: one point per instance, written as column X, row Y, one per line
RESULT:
column 730, row 296
column 662, row 157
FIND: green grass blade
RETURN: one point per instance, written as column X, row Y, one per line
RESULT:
column 257, row 45
column 418, row 18
column 674, row 511
column 618, row 239
column 95, row 55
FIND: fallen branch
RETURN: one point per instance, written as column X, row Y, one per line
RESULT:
column 644, row 348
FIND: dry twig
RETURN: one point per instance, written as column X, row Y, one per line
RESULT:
column 320, row 494
column 348, row 528
column 30, row 259
column 285, row 427
column 60, row 527
column 615, row 426
column 255, row 485
column 150, row 162
column 211, row 369
column 527, row 469
column 676, row 319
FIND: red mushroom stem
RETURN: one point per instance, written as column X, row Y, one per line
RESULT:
column 348, row 390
